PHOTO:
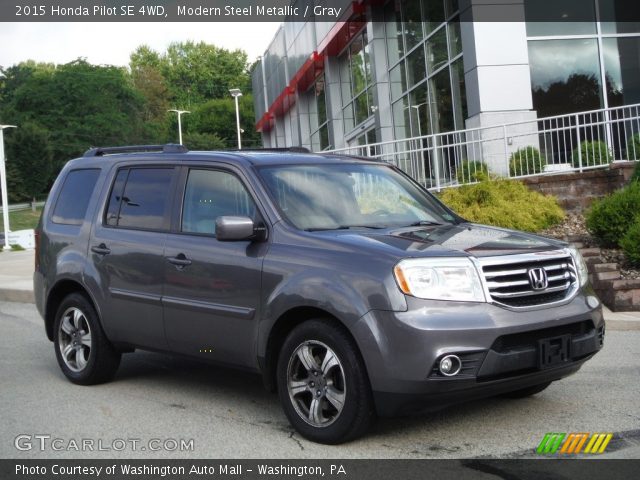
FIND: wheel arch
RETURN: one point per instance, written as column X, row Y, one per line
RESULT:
column 281, row 329
column 62, row 289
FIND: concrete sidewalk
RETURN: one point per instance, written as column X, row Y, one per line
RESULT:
column 16, row 285
column 16, row 276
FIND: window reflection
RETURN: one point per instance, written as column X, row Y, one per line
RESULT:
column 422, row 75
column 356, row 80
column 622, row 64
column 565, row 76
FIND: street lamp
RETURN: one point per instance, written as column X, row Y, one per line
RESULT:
column 3, row 186
column 179, row 112
column 235, row 93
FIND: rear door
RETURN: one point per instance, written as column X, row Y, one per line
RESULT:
column 212, row 288
column 127, row 253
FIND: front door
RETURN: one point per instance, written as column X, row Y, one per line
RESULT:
column 212, row 288
column 126, row 250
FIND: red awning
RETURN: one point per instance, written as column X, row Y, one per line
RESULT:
column 338, row 37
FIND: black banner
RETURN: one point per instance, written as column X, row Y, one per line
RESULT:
column 335, row 469
column 621, row 11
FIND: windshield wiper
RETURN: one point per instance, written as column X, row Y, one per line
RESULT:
column 424, row 223
column 343, row 227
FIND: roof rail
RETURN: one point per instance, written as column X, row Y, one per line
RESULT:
column 168, row 148
column 274, row 149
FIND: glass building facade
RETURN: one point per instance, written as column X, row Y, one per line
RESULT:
column 394, row 70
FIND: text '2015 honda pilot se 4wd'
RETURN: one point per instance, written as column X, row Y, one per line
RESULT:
column 349, row 287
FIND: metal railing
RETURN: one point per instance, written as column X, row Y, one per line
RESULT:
column 572, row 142
column 18, row 207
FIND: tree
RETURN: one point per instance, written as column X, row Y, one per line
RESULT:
column 204, row 141
column 85, row 105
column 30, row 154
column 195, row 72
column 219, row 117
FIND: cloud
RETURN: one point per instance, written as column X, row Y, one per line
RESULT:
column 112, row 42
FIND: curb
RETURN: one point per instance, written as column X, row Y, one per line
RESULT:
column 14, row 295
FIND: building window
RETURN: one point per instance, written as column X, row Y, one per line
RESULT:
column 426, row 76
column 567, row 74
column 318, row 120
column 355, row 81
column 622, row 64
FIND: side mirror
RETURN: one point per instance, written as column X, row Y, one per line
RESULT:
column 230, row 229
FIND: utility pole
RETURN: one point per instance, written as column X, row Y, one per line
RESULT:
column 3, row 185
column 235, row 93
column 179, row 112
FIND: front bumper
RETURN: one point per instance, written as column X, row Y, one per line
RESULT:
column 501, row 350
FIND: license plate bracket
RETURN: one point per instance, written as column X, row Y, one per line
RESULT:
column 554, row 351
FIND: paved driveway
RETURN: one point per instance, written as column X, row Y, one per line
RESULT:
column 227, row 413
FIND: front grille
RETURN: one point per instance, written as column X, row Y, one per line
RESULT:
column 508, row 279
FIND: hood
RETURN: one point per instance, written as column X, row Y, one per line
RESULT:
column 465, row 239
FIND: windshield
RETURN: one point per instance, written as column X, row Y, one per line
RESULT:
column 341, row 196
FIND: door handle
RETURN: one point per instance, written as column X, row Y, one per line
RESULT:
column 180, row 261
column 101, row 249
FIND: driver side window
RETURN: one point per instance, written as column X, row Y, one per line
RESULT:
column 210, row 194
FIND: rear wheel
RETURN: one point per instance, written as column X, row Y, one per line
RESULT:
column 527, row 392
column 83, row 352
column 322, row 383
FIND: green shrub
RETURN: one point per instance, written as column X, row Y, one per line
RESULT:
column 504, row 203
column 630, row 243
column 526, row 161
column 593, row 153
column 635, row 176
column 633, row 148
column 610, row 218
column 472, row 171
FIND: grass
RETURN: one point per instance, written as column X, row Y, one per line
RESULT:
column 21, row 220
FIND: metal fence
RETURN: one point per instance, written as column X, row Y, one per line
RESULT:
column 18, row 207
column 572, row 142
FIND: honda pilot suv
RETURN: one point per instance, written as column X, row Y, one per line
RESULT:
column 350, row 288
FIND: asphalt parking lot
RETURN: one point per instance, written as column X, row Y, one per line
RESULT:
column 228, row 414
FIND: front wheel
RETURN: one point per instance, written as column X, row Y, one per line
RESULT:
column 322, row 383
column 83, row 351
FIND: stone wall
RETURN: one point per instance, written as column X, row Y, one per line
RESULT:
column 576, row 191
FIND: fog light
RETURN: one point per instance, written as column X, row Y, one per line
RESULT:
column 450, row 365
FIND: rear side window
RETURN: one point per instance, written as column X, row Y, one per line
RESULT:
column 72, row 203
column 139, row 198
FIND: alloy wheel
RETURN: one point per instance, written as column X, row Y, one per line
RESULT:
column 74, row 339
column 316, row 383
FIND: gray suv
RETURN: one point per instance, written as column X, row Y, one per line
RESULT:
column 350, row 288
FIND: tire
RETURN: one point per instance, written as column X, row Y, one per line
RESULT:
column 322, row 383
column 526, row 392
column 83, row 352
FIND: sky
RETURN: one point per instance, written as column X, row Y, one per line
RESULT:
column 112, row 43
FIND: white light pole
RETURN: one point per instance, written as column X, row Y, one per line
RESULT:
column 235, row 93
column 179, row 112
column 3, row 186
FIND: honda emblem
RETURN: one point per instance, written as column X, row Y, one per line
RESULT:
column 538, row 278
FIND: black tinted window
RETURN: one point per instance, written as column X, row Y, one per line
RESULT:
column 211, row 194
column 76, row 192
column 113, row 209
column 144, row 199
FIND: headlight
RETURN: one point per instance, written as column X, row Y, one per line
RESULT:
column 453, row 279
column 581, row 266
